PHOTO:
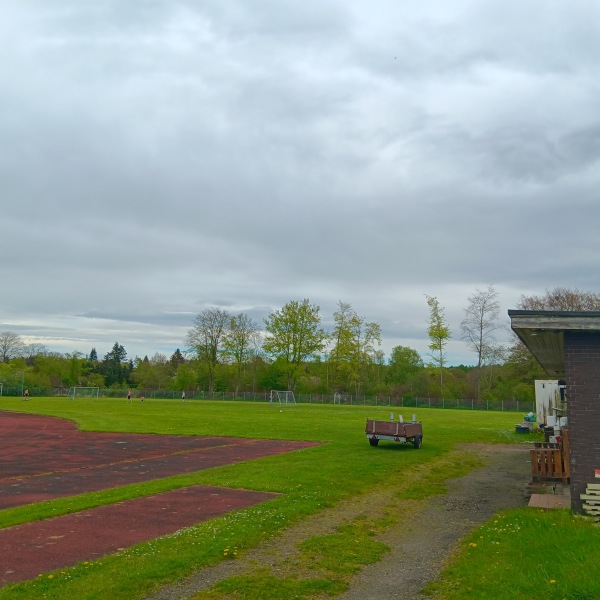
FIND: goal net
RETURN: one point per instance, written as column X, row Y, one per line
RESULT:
column 283, row 397
column 83, row 392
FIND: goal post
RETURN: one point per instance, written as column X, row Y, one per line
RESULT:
column 282, row 397
column 84, row 392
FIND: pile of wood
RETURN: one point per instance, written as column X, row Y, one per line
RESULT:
column 591, row 499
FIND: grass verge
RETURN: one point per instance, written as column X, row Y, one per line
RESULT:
column 523, row 554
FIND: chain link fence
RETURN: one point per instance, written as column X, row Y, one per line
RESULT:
column 411, row 402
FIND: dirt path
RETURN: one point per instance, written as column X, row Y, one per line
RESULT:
column 417, row 550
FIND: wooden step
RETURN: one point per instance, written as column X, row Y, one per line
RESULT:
column 591, row 510
column 595, row 500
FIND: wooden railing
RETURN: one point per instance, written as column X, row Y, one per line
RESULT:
column 550, row 461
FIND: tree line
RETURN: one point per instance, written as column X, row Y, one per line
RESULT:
column 292, row 350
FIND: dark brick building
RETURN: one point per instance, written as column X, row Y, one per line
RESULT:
column 567, row 345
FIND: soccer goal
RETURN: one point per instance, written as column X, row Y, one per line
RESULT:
column 283, row 397
column 83, row 392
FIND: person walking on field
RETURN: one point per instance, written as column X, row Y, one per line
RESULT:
column 129, row 395
column 183, row 396
column 26, row 394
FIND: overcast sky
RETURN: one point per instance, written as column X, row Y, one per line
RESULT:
column 161, row 157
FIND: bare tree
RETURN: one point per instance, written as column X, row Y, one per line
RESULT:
column 32, row 351
column 480, row 322
column 11, row 346
column 206, row 338
column 561, row 298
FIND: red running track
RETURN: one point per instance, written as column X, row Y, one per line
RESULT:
column 33, row 548
column 47, row 457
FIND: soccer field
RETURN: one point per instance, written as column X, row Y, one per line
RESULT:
column 307, row 480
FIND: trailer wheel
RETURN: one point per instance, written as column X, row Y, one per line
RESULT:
column 418, row 441
column 373, row 441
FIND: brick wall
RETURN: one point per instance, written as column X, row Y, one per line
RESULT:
column 582, row 366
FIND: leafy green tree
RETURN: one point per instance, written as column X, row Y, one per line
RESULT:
column 177, row 358
column 76, row 362
column 239, row 343
column 55, row 368
column 343, row 358
column 186, row 377
column 206, row 337
column 114, row 367
column 403, row 364
column 294, row 336
column 152, row 373
column 439, row 334
column 355, row 357
column 369, row 355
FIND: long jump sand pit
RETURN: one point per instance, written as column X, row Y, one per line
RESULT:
column 47, row 457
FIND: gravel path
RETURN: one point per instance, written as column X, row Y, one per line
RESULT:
column 417, row 549
column 418, row 552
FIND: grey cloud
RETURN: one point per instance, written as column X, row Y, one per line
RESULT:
column 160, row 158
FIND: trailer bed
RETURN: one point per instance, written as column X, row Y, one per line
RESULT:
column 394, row 431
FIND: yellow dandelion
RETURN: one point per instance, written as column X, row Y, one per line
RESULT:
column 552, row 581
column 50, row 576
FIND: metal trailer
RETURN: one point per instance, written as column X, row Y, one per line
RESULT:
column 394, row 431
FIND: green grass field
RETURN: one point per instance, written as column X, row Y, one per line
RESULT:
column 309, row 480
